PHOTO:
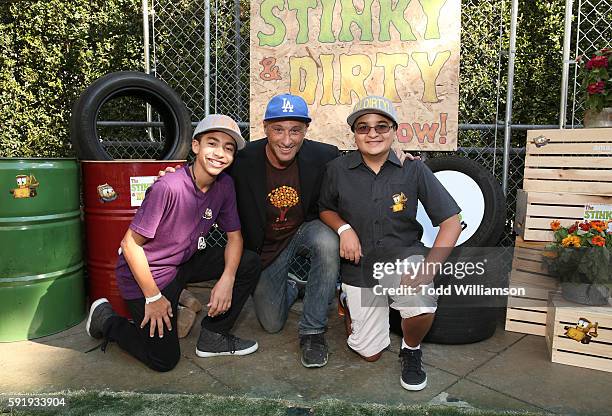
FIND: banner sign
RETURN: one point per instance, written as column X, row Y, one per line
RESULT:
column 334, row 52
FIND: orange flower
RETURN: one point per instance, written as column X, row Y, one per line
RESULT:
column 598, row 241
column 571, row 241
column 555, row 225
column 599, row 225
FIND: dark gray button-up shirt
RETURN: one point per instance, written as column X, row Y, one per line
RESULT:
column 382, row 207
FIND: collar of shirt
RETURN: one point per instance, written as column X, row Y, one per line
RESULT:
column 355, row 159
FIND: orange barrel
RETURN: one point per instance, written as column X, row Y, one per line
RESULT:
column 112, row 193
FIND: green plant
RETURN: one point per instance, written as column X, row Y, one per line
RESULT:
column 581, row 253
column 597, row 82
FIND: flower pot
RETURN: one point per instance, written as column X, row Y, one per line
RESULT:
column 585, row 293
column 603, row 118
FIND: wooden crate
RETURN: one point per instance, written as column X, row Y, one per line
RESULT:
column 536, row 210
column 597, row 354
column 569, row 161
column 527, row 314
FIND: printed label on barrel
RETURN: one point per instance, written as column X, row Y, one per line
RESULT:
column 138, row 188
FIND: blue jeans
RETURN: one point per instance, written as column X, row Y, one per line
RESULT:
column 313, row 240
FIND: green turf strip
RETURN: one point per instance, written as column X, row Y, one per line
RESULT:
column 134, row 404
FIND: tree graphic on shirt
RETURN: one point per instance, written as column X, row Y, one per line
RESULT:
column 283, row 198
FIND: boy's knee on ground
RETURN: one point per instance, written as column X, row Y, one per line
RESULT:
column 164, row 362
column 372, row 358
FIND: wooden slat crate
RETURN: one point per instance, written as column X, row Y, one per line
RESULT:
column 574, row 161
column 536, row 210
column 527, row 314
column 597, row 354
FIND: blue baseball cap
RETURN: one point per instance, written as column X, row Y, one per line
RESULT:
column 287, row 106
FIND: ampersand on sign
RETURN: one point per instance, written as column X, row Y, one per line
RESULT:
column 270, row 70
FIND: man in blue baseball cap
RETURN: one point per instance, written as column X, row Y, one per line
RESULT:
column 277, row 185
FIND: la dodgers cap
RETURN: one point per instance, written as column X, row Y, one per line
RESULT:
column 220, row 122
column 372, row 104
column 287, row 106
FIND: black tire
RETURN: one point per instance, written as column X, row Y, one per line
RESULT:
column 462, row 326
column 172, row 110
column 492, row 226
column 458, row 320
column 467, row 319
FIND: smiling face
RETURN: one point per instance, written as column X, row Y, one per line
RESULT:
column 214, row 152
column 285, row 137
column 373, row 144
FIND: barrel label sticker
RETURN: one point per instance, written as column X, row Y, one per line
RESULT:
column 138, row 188
column 26, row 186
column 106, row 193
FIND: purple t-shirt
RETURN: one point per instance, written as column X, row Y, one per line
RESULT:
column 173, row 215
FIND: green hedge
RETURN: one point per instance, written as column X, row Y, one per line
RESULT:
column 52, row 50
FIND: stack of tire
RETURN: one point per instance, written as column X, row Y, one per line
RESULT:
column 108, row 196
column 460, row 319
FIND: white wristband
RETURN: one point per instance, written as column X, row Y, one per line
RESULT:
column 344, row 228
column 153, row 298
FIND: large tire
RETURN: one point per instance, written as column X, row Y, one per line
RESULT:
column 172, row 110
column 465, row 319
column 487, row 229
column 459, row 319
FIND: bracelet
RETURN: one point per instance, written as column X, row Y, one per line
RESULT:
column 344, row 228
column 153, row 298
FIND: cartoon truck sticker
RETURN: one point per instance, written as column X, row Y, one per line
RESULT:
column 26, row 186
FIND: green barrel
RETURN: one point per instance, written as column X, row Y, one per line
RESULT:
column 41, row 259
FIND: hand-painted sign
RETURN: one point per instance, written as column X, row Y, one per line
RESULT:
column 334, row 52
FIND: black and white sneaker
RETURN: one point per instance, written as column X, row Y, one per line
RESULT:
column 213, row 344
column 413, row 376
column 314, row 350
column 100, row 311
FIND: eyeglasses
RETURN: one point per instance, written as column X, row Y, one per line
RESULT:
column 295, row 132
column 379, row 128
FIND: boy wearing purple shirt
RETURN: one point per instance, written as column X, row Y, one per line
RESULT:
column 164, row 249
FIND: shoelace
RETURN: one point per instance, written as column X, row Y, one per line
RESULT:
column 410, row 360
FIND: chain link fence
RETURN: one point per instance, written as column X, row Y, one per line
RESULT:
column 591, row 31
column 179, row 57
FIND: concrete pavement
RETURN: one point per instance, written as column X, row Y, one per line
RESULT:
column 509, row 371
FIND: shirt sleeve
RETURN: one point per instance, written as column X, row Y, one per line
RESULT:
column 150, row 214
column 436, row 200
column 228, row 219
column 328, row 198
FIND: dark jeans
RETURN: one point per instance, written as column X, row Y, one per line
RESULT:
column 319, row 243
column 162, row 354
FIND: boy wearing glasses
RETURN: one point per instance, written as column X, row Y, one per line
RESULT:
column 370, row 199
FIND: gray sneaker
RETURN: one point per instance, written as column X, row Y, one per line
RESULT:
column 213, row 344
column 314, row 350
column 99, row 312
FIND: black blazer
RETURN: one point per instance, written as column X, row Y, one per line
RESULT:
column 249, row 173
